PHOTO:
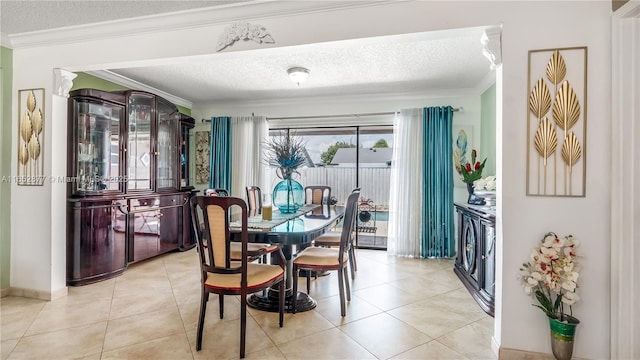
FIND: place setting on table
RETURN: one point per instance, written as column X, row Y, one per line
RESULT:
column 270, row 218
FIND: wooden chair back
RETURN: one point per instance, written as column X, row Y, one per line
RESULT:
column 254, row 199
column 214, row 241
column 218, row 192
column 317, row 194
column 348, row 223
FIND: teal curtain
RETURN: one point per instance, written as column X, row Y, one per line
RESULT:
column 437, row 195
column 220, row 154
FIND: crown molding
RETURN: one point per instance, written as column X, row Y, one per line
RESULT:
column 178, row 20
column 132, row 84
column 5, row 41
column 492, row 45
column 348, row 99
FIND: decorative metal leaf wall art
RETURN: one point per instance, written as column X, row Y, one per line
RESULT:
column 540, row 99
column 566, row 108
column 566, row 76
column 30, row 137
column 571, row 153
column 556, row 68
column 545, row 142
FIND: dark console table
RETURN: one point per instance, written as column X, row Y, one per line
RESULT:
column 475, row 258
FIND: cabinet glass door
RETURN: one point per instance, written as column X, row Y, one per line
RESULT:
column 167, row 146
column 139, row 150
column 184, row 156
column 97, row 167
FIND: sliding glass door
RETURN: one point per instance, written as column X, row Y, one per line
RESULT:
column 345, row 158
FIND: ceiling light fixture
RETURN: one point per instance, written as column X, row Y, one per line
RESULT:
column 298, row 74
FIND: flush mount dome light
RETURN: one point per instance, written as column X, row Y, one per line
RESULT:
column 298, row 74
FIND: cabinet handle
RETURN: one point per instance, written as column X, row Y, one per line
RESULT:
column 469, row 247
column 160, row 215
column 483, row 257
column 156, row 153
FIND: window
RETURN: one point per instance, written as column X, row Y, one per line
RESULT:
column 349, row 157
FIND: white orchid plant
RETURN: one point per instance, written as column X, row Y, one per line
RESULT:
column 551, row 275
column 486, row 183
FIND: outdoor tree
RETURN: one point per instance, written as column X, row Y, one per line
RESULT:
column 382, row 143
column 328, row 155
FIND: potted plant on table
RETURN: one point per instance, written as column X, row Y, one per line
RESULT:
column 288, row 153
column 551, row 276
column 471, row 171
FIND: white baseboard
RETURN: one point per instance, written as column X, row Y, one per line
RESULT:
column 5, row 292
column 38, row 294
column 495, row 347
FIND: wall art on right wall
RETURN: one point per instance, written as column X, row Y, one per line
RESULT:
column 557, row 122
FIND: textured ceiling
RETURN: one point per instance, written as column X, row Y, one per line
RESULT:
column 20, row 16
column 384, row 65
column 443, row 61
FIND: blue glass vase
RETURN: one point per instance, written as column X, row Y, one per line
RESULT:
column 288, row 196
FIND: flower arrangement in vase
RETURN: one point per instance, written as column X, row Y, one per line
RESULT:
column 551, row 275
column 472, row 171
column 287, row 152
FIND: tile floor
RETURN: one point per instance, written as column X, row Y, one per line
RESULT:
column 400, row 309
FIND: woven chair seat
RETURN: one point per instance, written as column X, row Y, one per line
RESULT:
column 257, row 276
column 331, row 238
column 321, row 257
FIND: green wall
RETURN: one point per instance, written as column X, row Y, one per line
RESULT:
column 84, row 80
column 488, row 129
column 6, row 80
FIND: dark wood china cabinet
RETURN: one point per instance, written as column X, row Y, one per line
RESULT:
column 476, row 257
column 128, row 188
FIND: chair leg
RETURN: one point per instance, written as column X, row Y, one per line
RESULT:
column 295, row 289
column 282, row 295
column 243, row 324
column 343, row 308
column 353, row 255
column 203, row 310
column 221, row 301
column 352, row 264
column 346, row 283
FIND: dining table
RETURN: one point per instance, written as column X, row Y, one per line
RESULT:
column 288, row 230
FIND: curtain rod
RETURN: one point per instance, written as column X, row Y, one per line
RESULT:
column 333, row 116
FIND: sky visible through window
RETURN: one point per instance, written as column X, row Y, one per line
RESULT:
column 317, row 144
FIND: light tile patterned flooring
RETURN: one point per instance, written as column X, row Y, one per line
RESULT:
column 400, row 309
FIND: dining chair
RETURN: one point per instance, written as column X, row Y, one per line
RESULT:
column 216, row 192
column 317, row 194
column 332, row 239
column 328, row 259
column 254, row 199
column 220, row 274
column 256, row 251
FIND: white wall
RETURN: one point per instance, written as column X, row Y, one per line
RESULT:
column 521, row 219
